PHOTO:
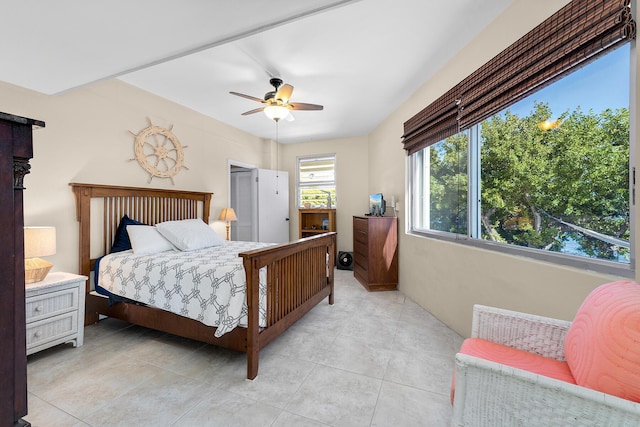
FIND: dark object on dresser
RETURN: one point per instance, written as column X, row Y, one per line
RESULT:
column 375, row 252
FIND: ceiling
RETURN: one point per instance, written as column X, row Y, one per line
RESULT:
column 360, row 59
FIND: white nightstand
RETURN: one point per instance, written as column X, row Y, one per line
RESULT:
column 55, row 311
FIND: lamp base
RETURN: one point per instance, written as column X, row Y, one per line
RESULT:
column 228, row 226
column 36, row 269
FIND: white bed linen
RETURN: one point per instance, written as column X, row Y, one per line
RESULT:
column 207, row 284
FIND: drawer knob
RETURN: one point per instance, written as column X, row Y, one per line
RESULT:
column 38, row 308
column 37, row 334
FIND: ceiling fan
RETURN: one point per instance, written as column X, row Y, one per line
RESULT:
column 276, row 103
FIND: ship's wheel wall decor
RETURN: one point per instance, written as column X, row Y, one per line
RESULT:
column 158, row 151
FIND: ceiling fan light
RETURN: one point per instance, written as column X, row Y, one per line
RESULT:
column 276, row 112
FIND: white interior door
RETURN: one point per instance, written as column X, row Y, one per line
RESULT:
column 242, row 202
column 273, row 205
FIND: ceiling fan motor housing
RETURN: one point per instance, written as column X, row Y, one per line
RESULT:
column 275, row 82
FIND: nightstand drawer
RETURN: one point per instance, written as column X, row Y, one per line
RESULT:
column 51, row 329
column 51, row 304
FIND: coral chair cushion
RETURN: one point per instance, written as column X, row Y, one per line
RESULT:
column 602, row 346
column 515, row 358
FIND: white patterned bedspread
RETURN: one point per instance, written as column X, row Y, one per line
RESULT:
column 207, row 284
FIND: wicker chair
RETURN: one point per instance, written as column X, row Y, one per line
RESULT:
column 493, row 394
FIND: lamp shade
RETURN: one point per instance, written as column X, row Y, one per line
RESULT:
column 276, row 112
column 227, row 214
column 39, row 241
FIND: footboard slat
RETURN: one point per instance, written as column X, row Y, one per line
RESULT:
column 299, row 275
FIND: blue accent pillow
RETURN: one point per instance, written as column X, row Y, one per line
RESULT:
column 121, row 242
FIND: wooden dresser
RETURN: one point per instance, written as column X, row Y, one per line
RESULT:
column 375, row 252
column 16, row 148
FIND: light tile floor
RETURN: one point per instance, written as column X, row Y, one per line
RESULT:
column 371, row 359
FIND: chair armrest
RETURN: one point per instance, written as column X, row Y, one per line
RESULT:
column 491, row 394
column 528, row 332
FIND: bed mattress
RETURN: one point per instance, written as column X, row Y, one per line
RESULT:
column 207, row 285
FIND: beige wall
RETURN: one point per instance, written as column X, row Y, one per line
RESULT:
column 448, row 278
column 351, row 181
column 87, row 139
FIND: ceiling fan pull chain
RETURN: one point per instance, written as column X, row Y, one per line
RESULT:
column 277, row 157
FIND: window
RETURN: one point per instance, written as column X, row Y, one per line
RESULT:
column 550, row 172
column 317, row 181
column 546, row 126
column 441, row 197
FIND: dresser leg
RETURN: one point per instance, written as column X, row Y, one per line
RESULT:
column 22, row 423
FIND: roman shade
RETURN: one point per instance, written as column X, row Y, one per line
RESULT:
column 574, row 36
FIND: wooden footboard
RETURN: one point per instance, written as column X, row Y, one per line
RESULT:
column 299, row 274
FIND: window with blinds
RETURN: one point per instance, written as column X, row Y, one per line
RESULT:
column 533, row 158
column 577, row 34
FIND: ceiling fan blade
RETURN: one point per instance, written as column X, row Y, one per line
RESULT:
column 303, row 106
column 253, row 98
column 284, row 93
column 257, row 110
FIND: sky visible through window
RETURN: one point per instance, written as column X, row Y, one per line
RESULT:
column 599, row 85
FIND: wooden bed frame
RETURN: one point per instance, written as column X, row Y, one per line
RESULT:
column 298, row 276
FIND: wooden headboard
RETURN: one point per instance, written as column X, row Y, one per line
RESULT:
column 146, row 205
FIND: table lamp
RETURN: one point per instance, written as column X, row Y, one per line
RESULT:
column 228, row 215
column 38, row 241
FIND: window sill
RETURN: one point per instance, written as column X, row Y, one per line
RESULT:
column 582, row 263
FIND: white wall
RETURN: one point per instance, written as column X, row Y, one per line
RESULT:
column 87, row 139
column 448, row 278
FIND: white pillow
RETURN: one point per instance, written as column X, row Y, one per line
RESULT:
column 189, row 234
column 145, row 239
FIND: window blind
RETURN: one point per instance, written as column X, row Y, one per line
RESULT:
column 574, row 36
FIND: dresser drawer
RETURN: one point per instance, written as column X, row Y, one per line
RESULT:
column 360, row 248
column 359, row 236
column 360, row 225
column 51, row 304
column 360, row 260
column 52, row 329
column 358, row 270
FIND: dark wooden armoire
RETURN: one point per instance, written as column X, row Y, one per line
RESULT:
column 16, row 148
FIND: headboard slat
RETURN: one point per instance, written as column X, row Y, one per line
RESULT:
column 146, row 205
